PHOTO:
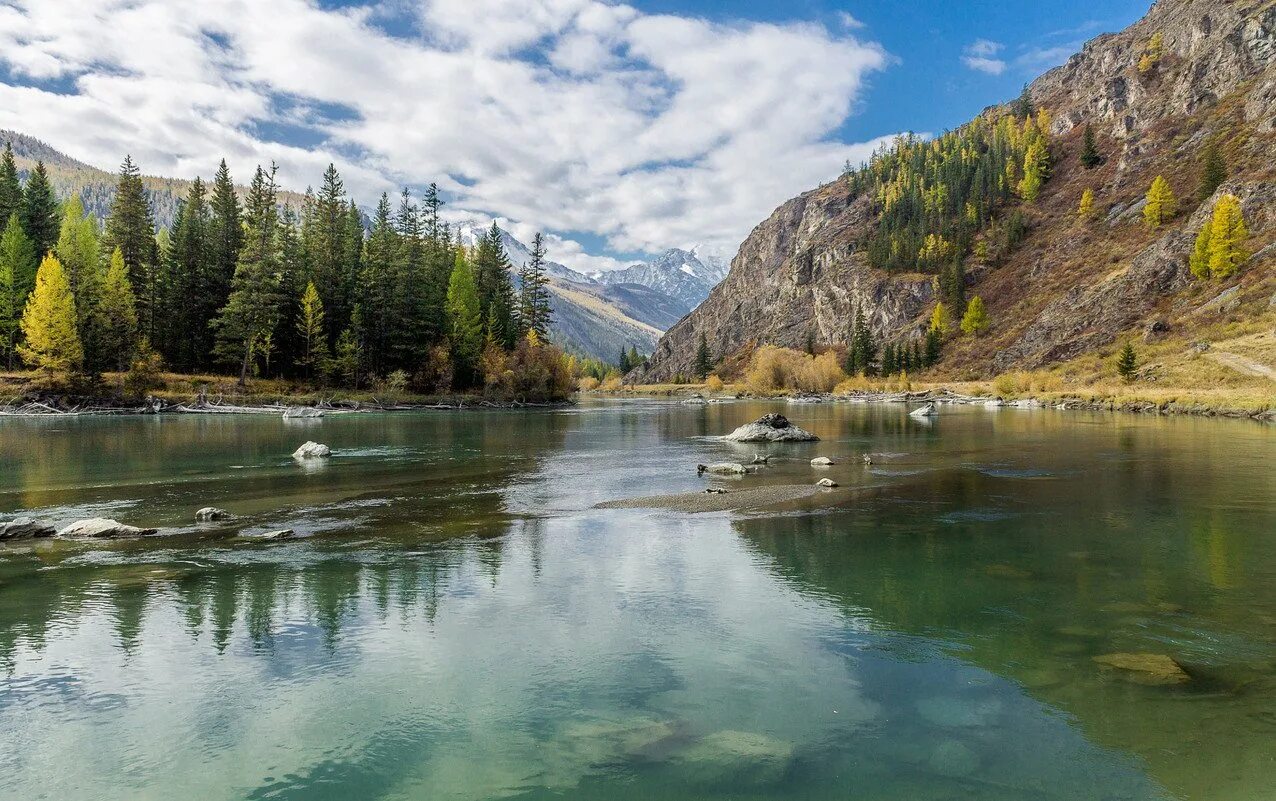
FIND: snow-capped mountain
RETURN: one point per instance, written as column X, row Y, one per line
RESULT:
column 685, row 275
column 520, row 253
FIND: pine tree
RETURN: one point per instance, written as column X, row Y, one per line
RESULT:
column 496, row 291
column 115, row 319
column 975, row 321
column 466, row 321
column 1085, row 210
column 1161, row 204
column 412, row 330
column 381, row 267
column 310, row 330
column 1127, row 363
column 186, row 279
column 225, row 239
column 1090, row 157
column 252, row 310
column 325, row 234
column 1199, row 262
column 933, row 349
column 1227, row 238
column 1213, row 171
column 10, row 186
column 40, row 211
column 16, row 254
column 533, row 304
column 131, row 228
column 623, row 364
column 704, row 362
column 48, row 323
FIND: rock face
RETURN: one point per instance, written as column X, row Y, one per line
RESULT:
column 26, row 528
column 770, row 428
column 101, row 528
column 312, row 450
column 1067, row 289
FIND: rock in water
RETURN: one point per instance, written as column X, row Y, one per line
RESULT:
column 737, row 757
column 210, row 513
column 695, row 400
column 827, row 483
column 821, row 461
column 101, row 528
column 26, row 528
column 760, row 459
column 770, row 428
column 1155, row 669
column 929, row 410
column 722, row 469
column 302, row 412
column 312, row 450
column 282, row 534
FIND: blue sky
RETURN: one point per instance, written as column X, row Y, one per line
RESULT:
column 618, row 129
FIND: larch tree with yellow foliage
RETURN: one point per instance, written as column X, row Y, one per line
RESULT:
column 1085, row 210
column 1227, row 237
column 975, row 321
column 1161, row 203
column 941, row 320
column 48, row 322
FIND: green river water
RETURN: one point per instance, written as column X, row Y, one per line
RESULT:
column 459, row 622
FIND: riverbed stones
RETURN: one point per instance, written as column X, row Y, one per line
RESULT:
column 210, row 514
column 737, row 757
column 312, row 450
column 1157, row 670
column 821, row 461
column 26, row 528
column 722, row 469
column 102, row 528
column 770, row 428
column 827, row 483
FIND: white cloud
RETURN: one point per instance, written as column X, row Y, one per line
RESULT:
column 560, row 115
column 981, row 56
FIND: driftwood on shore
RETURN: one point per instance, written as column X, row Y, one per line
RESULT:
column 25, row 407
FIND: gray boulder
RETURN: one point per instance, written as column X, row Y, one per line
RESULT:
column 312, row 450
column 827, row 483
column 102, row 528
column 821, row 461
column 26, row 528
column 211, row 513
column 770, row 428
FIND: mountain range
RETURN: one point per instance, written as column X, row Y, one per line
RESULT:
column 595, row 315
column 1071, row 285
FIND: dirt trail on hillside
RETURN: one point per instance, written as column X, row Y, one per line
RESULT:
column 1242, row 364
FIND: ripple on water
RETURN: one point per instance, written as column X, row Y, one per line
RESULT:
column 975, row 516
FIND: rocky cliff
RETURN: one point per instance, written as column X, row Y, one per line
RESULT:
column 1068, row 287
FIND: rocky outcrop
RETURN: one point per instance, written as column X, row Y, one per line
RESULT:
column 770, row 428
column 101, row 528
column 26, row 528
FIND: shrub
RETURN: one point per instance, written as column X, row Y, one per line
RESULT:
column 539, row 373
column 435, row 375
column 587, row 384
column 773, row 369
column 713, row 384
column 144, row 373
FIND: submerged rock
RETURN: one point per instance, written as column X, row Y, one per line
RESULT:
column 1157, row 670
column 821, row 461
column 312, row 450
column 210, row 513
column 770, row 428
column 722, row 468
column 281, row 534
column 101, row 528
column 737, row 756
column 26, row 528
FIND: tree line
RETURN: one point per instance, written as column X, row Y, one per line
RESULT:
column 311, row 294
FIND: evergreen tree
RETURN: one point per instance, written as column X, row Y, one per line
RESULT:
column 1213, row 171
column 10, row 186
column 225, row 239
column 1161, row 204
column 131, row 228
column 496, row 291
column 1090, row 157
column 40, row 211
column 186, row 275
column 381, row 267
column 623, row 364
column 1085, row 210
column 635, row 360
column 975, row 321
column 48, row 323
column 466, row 321
column 934, row 348
column 310, row 330
column 1023, row 106
column 347, row 364
column 252, row 310
column 1227, row 238
column 115, row 320
column 890, row 362
column 1127, row 363
column 861, row 352
column 16, row 255
column 533, row 305
column 326, row 237
column 704, row 362
column 412, row 331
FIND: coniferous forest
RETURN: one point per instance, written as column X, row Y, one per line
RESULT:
column 244, row 285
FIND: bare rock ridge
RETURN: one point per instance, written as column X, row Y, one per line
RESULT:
column 1062, row 291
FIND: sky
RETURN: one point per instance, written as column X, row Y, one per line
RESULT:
column 620, row 130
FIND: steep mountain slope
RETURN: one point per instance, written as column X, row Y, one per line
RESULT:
column 686, row 275
column 1071, row 286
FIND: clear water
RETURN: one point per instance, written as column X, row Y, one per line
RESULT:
column 464, row 625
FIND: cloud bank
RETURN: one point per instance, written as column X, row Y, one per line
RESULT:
column 585, row 118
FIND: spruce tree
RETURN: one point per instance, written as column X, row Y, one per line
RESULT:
column 1161, row 205
column 115, row 320
column 381, row 267
column 623, row 364
column 1090, row 157
column 41, row 216
column 131, row 228
column 52, row 343
column 225, row 240
column 1227, row 238
column 253, row 308
column 187, row 279
column 326, row 234
column 16, row 254
column 411, row 333
column 496, row 291
column 975, row 321
column 1127, row 363
column 465, row 321
column 890, row 363
column 10, row 186
column 534, row 309
column 934, row 348
column 704, row 362
column 1213, row 171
